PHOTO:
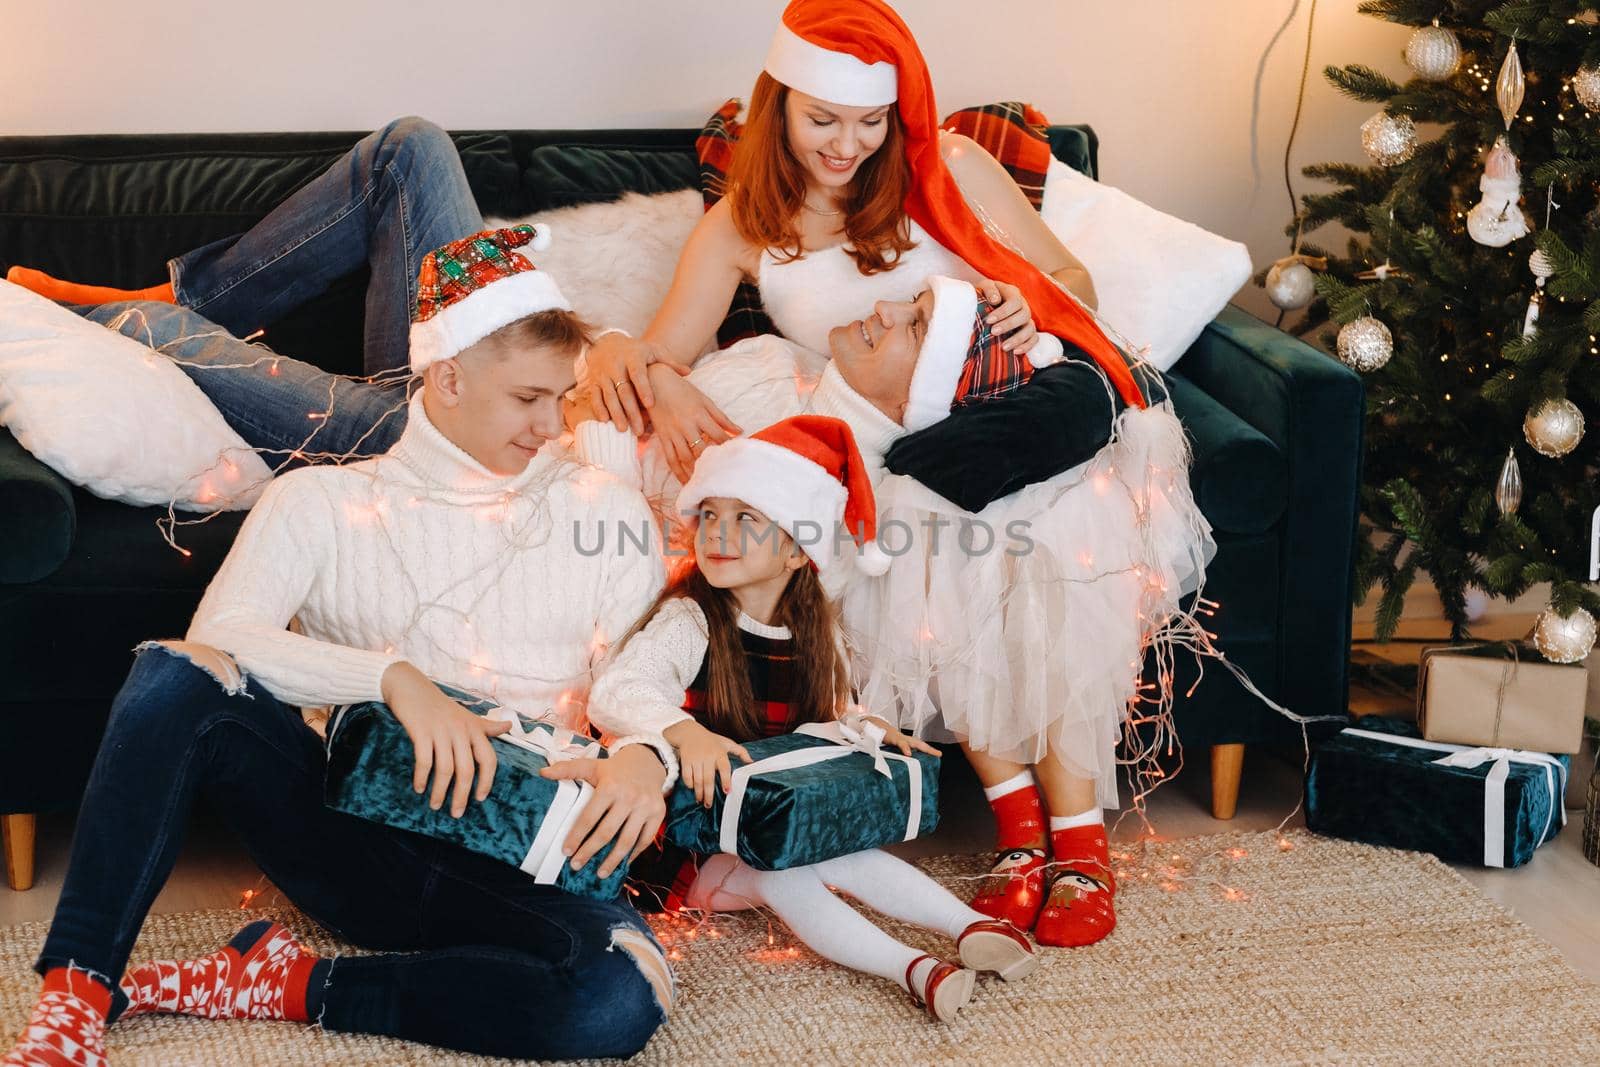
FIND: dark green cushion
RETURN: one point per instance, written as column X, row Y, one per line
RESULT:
column 40, row 517
column 1239, row 476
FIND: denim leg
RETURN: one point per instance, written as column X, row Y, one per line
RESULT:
column 394, row 197
column 520, row 970
column 179, row 735
column 267, row 399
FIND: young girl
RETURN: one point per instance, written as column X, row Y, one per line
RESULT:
column 844, row 194
column 744, row 644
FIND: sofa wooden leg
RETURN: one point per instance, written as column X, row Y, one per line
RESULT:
column 18, row 834
column 1227, row 762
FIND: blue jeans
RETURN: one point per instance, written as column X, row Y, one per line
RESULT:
column 482, row 959
column 267, row 399
column 393, row 198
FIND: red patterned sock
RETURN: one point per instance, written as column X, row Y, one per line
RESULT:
column 68, row 1024
column 1080, row 909
column 263, row 973
column 1015, row 889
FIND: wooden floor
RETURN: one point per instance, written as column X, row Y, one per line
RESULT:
column 1557, row 894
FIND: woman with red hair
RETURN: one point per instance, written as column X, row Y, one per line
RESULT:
column 843, row 195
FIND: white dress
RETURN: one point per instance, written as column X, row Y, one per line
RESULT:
column 1036, row 643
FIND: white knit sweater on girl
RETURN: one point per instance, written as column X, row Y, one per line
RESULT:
column 488, row 583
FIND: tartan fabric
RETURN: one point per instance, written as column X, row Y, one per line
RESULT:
column 714, row 148
column 1013, row 133
column 769, row 660
column 460, row 268
column 990, row 371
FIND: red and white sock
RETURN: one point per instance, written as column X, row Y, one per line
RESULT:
column 68, row 1024
column 1080, row 908
column 1015, row 889
column 263, row 973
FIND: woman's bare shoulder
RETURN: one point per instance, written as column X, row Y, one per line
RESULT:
column 719, row 235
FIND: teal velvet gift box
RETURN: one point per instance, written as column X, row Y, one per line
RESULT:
column 1379, row 782
column 522, row 821
column 826, row 790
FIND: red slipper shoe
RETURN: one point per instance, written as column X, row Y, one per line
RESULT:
column 945, row 990
column 999, row 948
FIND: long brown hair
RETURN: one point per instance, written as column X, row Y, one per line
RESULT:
column 767, row 186
column 820, row 683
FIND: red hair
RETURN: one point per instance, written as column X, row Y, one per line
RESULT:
column 767, row 186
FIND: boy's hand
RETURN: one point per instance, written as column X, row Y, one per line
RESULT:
column 903, row 741
column 703, row 758
column 625, row 811
column 449, row 741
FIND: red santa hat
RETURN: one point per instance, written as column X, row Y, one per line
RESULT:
column 803, row 469
column 836, row 50
column 961, row 358
column 472, row 287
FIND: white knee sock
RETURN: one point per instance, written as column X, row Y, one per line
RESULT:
column 832, row 928
column 891, row 885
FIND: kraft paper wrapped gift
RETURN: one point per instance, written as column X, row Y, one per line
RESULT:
column 1380, row 783
column 826, row 790
column 522, row 821
column 1502, row 695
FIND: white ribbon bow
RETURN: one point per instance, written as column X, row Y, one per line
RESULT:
column 850, row 734
column 1494, row 784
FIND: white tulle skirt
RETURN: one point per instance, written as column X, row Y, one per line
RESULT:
column 1021, row 629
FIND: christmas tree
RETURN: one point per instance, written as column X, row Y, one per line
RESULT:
column 1469, row 298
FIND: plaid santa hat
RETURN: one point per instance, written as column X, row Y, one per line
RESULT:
column 472, row 287
column 803, row 469
column 859, row 53
column 961, row 360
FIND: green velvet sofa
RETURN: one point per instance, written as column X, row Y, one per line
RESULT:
column 1276, row 428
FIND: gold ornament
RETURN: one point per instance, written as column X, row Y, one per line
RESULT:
column 1510, row 86
column 1389, row 139
column 1564, row 638
column 1508, row 490
column 1433, row 53
column 1365, row 344
column 1554, row 428
column 1586, row 87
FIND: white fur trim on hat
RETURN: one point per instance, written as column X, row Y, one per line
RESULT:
column 944, row 352
column 1048, row 350
column 787, row 487
column 476, row 315
column 836, row 77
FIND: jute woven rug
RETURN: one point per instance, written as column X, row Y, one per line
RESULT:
column 1229, row 949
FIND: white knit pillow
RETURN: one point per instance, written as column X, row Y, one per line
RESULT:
column 1159, row 279
column 114, row 416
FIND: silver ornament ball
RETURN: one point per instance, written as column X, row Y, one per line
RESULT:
column 1389, row 139
column 1365, row 344
column 1586, row 87
column 1433, row 53
column 1291, row 286
column 1564, row 638
column 1540, row 264
column 1554, row 428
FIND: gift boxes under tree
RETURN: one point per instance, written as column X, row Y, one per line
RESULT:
column 1480, row 779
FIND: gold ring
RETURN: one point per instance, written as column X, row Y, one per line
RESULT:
column 696, row 442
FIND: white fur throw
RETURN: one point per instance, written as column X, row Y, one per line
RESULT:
column 614, row 261
column 113, row 415
column 1159, row 279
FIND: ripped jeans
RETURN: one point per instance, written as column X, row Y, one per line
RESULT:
column 479, row 958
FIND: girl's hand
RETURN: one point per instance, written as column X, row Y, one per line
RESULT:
column 618, row 382
column 684, row 421
column 903, row 741
column 1010, row 317
column 703, row 758
column 450, row 742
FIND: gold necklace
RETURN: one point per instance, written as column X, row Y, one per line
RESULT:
column 819, row 211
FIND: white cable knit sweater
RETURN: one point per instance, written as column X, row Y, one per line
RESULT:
column 489, row 583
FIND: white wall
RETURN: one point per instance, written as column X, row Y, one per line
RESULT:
column 1169, row 84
